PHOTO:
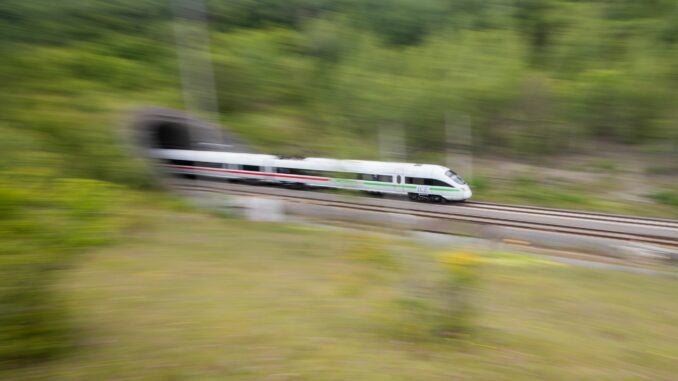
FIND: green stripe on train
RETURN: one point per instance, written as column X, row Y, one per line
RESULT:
column 390, row 185
column 444, row 189
column 441, row 189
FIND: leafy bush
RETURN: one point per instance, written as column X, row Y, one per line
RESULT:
column 460, row 277
column 443, row 306
column 666, row 197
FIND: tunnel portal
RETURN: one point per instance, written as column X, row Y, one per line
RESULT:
column 155, row 127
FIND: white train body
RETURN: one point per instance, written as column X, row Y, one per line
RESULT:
column 420, row 181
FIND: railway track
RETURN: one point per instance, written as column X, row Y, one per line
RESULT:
column 593, row 216
column 661, row 232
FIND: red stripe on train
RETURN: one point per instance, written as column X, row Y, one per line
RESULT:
column 249, row 173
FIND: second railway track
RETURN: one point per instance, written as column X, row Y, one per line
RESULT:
column 594, row 216
column 661, row 232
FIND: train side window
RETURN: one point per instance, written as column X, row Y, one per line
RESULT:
column 414, row 180
column 253, row 168
column 370, row 177
column 334, row 175
column 182, row 162
column 300, row 172
column 435, row 182
column 343, row 175
column 398, row 179
column 207, row 164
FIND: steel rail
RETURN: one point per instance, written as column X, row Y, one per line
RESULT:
column 414, row 211
column 592, row 216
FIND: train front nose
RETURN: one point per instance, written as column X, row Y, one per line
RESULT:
column 467, row 192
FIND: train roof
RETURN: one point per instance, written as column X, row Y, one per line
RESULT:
column 360, row 166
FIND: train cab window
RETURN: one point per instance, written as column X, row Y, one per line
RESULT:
column 435, row 182
column 253, row 168
column 455, row 177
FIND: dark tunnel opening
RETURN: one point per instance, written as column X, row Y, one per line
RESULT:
column 170, row 135
column 160, row 128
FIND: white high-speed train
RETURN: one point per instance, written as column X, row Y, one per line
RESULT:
column 423, row 182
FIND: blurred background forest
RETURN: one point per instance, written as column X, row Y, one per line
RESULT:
column 536, row 79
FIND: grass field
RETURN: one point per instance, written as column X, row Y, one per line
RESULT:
column 197, row 297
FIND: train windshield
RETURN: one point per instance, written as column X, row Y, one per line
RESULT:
column 456, row 178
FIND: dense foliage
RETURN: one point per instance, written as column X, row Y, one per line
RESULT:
column 533, row 76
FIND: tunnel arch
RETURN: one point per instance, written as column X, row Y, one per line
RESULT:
column 155, row 127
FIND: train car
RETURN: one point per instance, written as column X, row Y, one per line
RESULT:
column 423, row 182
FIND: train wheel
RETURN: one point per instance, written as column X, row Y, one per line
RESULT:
column 422, row 198
column 437, row 199
column 413, row 196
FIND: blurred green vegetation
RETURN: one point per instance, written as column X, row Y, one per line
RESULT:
column 42, row 224
column 442, row 303
column 534, row 77
column 666, row 197
column 191, row 296
column 529, row 190
column 302, row 76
